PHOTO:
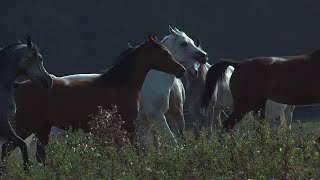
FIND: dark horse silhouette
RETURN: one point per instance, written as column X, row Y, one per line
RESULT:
column 293, row 80
column 18, row 59
column 71, row 101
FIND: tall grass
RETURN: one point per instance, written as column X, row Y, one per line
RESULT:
column 249, row 153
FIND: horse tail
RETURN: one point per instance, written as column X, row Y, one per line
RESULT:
column 215, row 73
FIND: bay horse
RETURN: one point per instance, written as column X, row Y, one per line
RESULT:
column 15, row 60
column 292, row 80
column 71, row 101
column 221, row 100
column 174, row 116
column 162, row 95
column 176, row 101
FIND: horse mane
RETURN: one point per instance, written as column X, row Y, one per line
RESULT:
column 122, row 68
column 165, row 38
column 4, row 49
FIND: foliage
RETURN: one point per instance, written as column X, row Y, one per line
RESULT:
column 250, row 152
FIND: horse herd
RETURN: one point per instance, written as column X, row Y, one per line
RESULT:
column 143, row 83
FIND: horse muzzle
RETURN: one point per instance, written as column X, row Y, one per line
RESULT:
column 202, row 58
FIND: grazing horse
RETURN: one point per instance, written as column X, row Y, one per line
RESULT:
column 221, row 100
column 293, row 80
column 71, row 101
column 18, row 59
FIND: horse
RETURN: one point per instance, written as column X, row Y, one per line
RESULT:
column 154, row 102
column 291, row 80
column 174, row 116
column 18, row 59
column 162, row 95
column 70, row 102
column 176, row 102
column 221, row 100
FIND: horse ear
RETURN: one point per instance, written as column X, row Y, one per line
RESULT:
column 198, row 43
column 155, row 37
column 173, row 32
column 151, row 39
column 29, row 42
column 129, row 45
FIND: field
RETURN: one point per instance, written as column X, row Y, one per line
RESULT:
column 250, row 153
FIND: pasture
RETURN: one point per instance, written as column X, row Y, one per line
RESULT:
column 248, row 154
column 259, row 61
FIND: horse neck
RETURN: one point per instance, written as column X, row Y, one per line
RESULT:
column 146, row 74
column 8, row 68
column 132, row 86
column 199, row 81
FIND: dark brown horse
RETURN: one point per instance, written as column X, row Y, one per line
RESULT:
column 71, row 101
column 291, row 80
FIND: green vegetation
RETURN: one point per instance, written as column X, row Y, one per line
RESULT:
column 252, row 153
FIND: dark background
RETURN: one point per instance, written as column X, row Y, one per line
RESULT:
column 78, row 36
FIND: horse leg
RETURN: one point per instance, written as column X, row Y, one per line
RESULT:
column 259, row 111
column 8, row 133
column 239, row 110
column 210, row 119
column 172, row 123
column 272, row 111
column 155, row 138
column 7, row 148
column 217, row 118
column 288, row 114
column 181, row 123
column 262, row 110
column 271, row 119
column 177, row 122
column 233, row 119
column 196, row 125
column 144, row 130
column 160, row 120
column 43, row 139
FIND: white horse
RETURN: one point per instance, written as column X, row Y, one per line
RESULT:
column 154, row 99
column 175, row 116
column 156, row 89
column 221, row 100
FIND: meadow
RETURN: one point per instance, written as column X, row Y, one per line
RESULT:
column 252, row 151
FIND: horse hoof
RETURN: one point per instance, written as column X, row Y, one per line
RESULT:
column 27, row 167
